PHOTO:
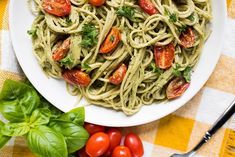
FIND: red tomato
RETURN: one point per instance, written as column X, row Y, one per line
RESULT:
column 176, row 88
column 111, row 41
column 121, row 151
column 82, row 153
column 115, row 137
column 97, row 3
column 62, row 50
column 57, row 7
column 76, row 77
column 92, row 128
column 164, row 55
column 135, row 145
column 97, row 144
column 118, row 76
column 148, row 7
column 187, row 38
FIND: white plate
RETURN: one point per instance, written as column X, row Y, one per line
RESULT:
column 55, row 90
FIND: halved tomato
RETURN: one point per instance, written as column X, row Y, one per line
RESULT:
column 76, row 77
column 57, row 7
column 118, row 75
column 148, row 7
column 62, row 50
column 176, row 88
column 187, row 38
column 164, row 55
column 111, row 41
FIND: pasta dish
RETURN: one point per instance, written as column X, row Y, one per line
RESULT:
column 120, row 54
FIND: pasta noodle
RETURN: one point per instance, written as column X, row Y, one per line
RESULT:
column 141, row 84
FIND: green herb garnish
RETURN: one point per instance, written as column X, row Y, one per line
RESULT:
column 86, row 67
column 187, row 74
column 67, row 61
column 68, row 21
column 126, row 11
column 155, row 69
column 89, row 36
column 112, row 38
column 191, row 17
column 173, row 18
column 182, row 28
column 33, row 32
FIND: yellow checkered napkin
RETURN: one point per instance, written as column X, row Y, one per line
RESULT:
column 177, row 132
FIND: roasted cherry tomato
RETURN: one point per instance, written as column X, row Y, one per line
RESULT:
column 111, row 41
column 121, row 151
column 92, row 128
column 187, row 38
column 57, row 7
column 97, row 144
column 82, row 153
column 135, row 145
column 115, row 137
column 62, row 50
column 118, row 76
column 97, row 3
column 148, row 7
column 76, row 77
column 164, row 55
column 176, row 88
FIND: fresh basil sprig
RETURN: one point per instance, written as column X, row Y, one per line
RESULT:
column 48, row 131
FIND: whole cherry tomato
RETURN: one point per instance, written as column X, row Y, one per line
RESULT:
column 57, row 7
column 148, row 7
column 97, row 144
column 176, row 88
column 187, row 38
column 97, row 3
column 121, row 151
column 135, row 145
column 92, row 128
column 76, row 77
column 164, row 55
column 118, row 75
column 115, row 137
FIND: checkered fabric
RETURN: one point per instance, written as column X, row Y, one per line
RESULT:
column 177, row 132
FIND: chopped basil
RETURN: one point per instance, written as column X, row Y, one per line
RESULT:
column 112, row 38
column 126, row 11
column 33, row 32
column 155, row 69
column 89, row 36
column 86, row 67
column 191, row 17
column 67, row 61
column 186, row 73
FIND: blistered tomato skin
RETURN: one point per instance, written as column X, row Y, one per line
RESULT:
column 135, row 145
column 97, row 144
column 57, row 7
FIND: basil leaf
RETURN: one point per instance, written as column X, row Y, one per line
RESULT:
column 75, row 135
column 187, row 74
column 76, row 116
column 17, row 101
column 40, row 116
column 55, row 113
column 3, row 139
column 15, row 129
column 45, row 142
column 89, row 36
